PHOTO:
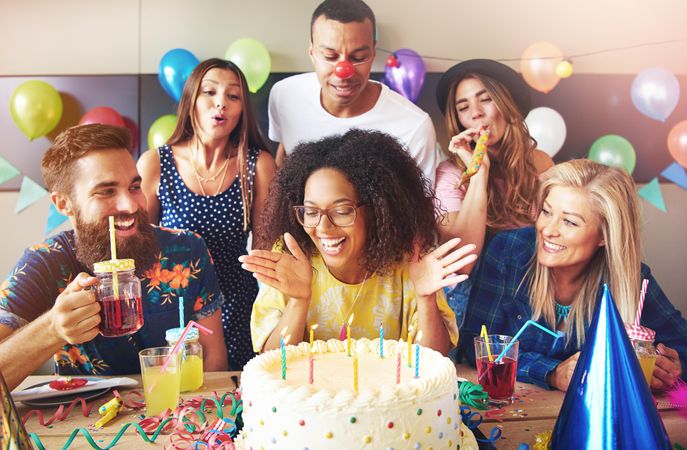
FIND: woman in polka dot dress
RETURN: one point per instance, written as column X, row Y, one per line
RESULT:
column 212, row 178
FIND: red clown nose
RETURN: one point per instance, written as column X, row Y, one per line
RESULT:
column 344, row 70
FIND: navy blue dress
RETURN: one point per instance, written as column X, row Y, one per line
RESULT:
column 219, row 220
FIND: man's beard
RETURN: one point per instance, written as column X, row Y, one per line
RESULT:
column 93, row 242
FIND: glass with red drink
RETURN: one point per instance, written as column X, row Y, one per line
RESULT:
column 121, row 310
column 497, row 377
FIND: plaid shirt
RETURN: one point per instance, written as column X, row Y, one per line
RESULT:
column 500, row 300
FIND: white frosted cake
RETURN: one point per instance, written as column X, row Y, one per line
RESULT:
column 416, row 413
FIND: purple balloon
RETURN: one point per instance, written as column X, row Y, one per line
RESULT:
column 406, row 79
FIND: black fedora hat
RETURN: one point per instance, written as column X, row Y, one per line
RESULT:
column 493, row 69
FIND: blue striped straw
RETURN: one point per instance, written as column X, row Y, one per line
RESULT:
column 517, row 335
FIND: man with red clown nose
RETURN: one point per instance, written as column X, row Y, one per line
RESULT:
column 339, row 95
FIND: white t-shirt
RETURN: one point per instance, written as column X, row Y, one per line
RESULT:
column 296, row 115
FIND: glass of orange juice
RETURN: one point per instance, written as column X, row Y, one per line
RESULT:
column 160, row 389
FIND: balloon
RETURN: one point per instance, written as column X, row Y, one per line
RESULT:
column 615, row 151
column 253, row 59
column 133, row 129
column 564, row 69
column 36, row 108
column 548, row 128
column 655, row 93
column 407, row 75
column 161, row 130
column 538, row 66
column 102, row 114
column 677, row 143
column 175, row 67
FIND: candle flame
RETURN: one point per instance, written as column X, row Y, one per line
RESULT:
column 286, row 339
column 419, row 336
column 283, row 331
column 314, row 327
column 350, row 319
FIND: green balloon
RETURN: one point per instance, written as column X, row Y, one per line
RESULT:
column 36, row 108
column 161, row 130
column 253, row 59
column 615, row 151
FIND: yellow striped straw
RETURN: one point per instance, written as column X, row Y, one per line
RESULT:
column 485, row 335
column 113, row 251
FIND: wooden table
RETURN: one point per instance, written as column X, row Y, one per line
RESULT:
column 534, row 412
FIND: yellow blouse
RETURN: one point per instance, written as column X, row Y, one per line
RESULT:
column 387, row 300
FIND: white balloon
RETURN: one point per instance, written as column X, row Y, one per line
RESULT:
column 548, row 128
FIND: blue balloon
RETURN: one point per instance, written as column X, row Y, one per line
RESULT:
column 608, row 404
column 655, row 93
column 175, row 67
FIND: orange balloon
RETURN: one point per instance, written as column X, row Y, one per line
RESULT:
column 538, row 66
column 677, row 143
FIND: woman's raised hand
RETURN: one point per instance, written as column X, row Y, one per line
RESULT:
column 289, row 274
column 437, row 269
column 461, row 145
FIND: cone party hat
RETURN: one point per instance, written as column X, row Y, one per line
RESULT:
column 608, row 404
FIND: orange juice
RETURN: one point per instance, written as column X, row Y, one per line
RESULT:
column 647, row 362
column 191, row 373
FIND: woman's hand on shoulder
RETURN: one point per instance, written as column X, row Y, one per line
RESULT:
column 437, row 269
column 562, row 374
column 289, row 274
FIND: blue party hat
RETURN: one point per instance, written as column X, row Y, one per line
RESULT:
column 608, row 404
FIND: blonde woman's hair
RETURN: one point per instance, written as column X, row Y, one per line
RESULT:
column 611, row 193
column 512, row 160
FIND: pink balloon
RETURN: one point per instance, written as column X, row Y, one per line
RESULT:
column 677, row 143
column 538, row 66
column 133, row 129
column 104, row 115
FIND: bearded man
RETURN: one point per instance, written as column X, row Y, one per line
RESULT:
column 47, row 304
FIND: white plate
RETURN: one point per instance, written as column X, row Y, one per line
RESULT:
column 67, row 397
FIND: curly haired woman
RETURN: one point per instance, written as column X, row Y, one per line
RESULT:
column 354, row 227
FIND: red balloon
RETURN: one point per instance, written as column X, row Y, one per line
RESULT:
column 133, row 129
column 344, row 70
column 104, row 115
column 677, row 143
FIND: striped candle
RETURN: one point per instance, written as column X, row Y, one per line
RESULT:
column 355, row 372
column 645, row 285
column 381, row 341
column 398, row 368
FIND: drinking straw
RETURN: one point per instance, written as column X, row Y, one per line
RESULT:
column 181, row 312
column 485, row 335
column 113, row 254
column 645, row 285
column 177, row 346
column 517, row 335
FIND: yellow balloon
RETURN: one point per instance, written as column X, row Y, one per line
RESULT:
column 36, row 108
column 161, row 130
column 564, row 69
column 538, row 66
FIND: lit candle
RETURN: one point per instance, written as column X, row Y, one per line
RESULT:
column 282, row 343
column 398, row 368
column 355, row 372
column 417, row 354
column 381, row 341
column 410, row 346
column 312, row 364
column 348, row 335
column 312, row 336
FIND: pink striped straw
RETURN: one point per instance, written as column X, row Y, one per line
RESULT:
column 645, row 285
column 180, row 342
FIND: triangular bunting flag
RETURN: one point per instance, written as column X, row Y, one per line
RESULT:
column 676, row 173
column 7, row 171
column 652, row 194
column 55, row 219
column 29, row 193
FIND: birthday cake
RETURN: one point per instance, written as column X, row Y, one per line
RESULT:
column 383, row 405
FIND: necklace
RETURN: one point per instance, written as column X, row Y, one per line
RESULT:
column 342, row 334
column 222, row 171
column 562, row 311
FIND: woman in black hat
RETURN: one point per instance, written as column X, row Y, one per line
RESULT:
column 477, row 97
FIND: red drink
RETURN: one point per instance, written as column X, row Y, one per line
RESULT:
column 120, row 317
column 497, row 379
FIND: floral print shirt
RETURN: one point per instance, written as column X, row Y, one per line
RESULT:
column 184, row 269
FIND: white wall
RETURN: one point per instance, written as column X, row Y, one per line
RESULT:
column 77, row 37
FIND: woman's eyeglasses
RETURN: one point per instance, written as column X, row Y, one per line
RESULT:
column 340, row 216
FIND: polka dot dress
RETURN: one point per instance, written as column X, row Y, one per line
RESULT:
column 219, row 219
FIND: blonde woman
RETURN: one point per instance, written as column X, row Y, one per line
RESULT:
column 483, row 96
column 586, row 234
